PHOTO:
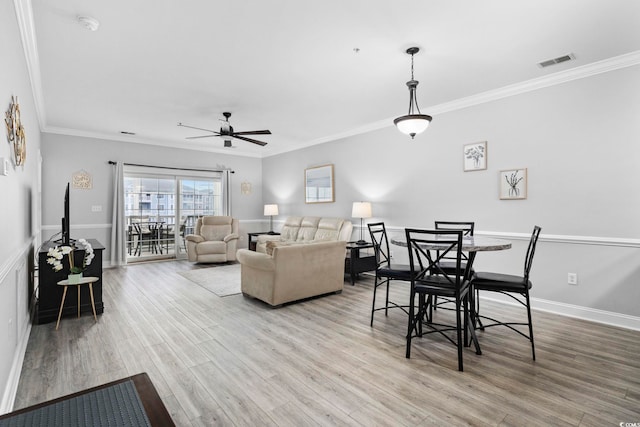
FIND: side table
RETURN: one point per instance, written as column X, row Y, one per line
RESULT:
column 252, row 244
column 83, row 281
column 356, row 262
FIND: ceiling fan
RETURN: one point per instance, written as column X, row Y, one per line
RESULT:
column 227, row 132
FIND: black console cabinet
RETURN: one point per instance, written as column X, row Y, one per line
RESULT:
column 50, row 294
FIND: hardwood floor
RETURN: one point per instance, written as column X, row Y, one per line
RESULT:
column 236, row 361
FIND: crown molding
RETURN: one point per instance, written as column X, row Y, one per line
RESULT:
column 561, row 77
column 24, row 15
column 137, row 140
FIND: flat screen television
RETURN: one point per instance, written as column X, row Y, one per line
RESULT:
column 65, row 239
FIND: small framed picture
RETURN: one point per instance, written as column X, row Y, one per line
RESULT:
column 475, row 156
column 513, row 184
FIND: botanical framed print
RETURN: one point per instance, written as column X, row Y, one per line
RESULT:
column 513, row 184
column 318, row 184
column 475, row 156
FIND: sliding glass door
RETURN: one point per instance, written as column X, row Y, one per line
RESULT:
column 162, row 208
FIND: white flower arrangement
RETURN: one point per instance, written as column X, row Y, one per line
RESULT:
column 55, row 255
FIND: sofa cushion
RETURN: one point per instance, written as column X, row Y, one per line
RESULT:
column 212, row 247
column 290, row 228
column 308, row 228
column 271, row 244
column 215, row 232
column 329, row 229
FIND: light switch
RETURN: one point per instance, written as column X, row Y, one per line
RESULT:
column 4, row 166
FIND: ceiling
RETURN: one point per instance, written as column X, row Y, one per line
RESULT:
column 310, row 71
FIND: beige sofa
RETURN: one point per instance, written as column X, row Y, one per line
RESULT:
column 307, row 229
column 293, row 271
column 215, row 239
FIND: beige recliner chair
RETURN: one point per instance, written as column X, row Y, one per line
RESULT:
column 215, row 239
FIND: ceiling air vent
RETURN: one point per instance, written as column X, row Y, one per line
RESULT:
column 558, row 60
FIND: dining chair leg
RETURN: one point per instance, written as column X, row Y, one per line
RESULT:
column 459, row 335
column 410, row 324
column 533, row 347
column 386, row 300
column 373, row 304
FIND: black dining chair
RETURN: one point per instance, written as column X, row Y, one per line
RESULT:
column 427, row 250
column 515, row 287
column 386, row 271
column 447, row 263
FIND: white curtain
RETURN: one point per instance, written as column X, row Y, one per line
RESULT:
column 118, row 223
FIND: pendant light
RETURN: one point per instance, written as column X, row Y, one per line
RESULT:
column 414, row 122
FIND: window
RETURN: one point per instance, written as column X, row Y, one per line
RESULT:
column 160, row 209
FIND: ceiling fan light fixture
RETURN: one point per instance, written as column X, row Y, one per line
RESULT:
column 414, row 122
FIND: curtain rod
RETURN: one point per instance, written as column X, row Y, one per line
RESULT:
column 111, row 162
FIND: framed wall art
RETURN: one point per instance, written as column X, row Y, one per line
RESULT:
column 475, row 156
column 513, row 184
column 318, row 184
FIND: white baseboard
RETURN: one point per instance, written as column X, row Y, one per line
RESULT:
column 578, row 312
column 9, row 395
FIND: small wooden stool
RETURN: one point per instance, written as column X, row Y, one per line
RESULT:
column 83, row 281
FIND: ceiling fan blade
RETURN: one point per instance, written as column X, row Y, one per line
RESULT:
column 250, row 140
column 254, row 132
column 201, row 136
column 193, row 127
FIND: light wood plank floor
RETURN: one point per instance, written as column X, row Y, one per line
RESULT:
column 235, row 361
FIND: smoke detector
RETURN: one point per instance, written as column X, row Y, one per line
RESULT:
column 558, row 60
column 89, row 23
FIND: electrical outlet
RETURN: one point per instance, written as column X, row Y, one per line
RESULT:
column 572, row 278
column 96, row 208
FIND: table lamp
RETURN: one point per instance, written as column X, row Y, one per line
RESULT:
column 361, row 210
column 270, row 211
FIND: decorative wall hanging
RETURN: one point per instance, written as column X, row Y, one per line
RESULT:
column 15, row 132
column 475, row 156
column 82, row 180
column 318, row 184
column 245, row 188
column 513, row 184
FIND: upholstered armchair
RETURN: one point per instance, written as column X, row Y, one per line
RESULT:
column 215, row 239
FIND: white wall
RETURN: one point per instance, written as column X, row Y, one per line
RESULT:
column 63, row 155
column 20, row 215
column 579, row 142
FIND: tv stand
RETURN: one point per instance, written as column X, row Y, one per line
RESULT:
column 50, row 294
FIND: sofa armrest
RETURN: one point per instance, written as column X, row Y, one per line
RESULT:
column 255, row 260
column 229, row 237
column 196, row 238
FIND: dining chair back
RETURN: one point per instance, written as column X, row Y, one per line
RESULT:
column 515, row 287
column 447, row 262
column 427, row 250
column 386, row 271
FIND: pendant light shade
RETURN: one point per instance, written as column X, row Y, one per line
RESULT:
column 414, row 122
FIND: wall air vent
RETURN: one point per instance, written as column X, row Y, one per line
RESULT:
column 558, row 60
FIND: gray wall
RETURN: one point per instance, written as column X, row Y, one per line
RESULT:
column 579, row 141
column 63, row 155
column 19, row 216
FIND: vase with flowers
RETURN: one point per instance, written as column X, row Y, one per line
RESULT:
column 56, row 254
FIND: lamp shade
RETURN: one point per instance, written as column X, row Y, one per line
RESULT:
column 413, row 124
column 361, row 210
column 270, row 210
